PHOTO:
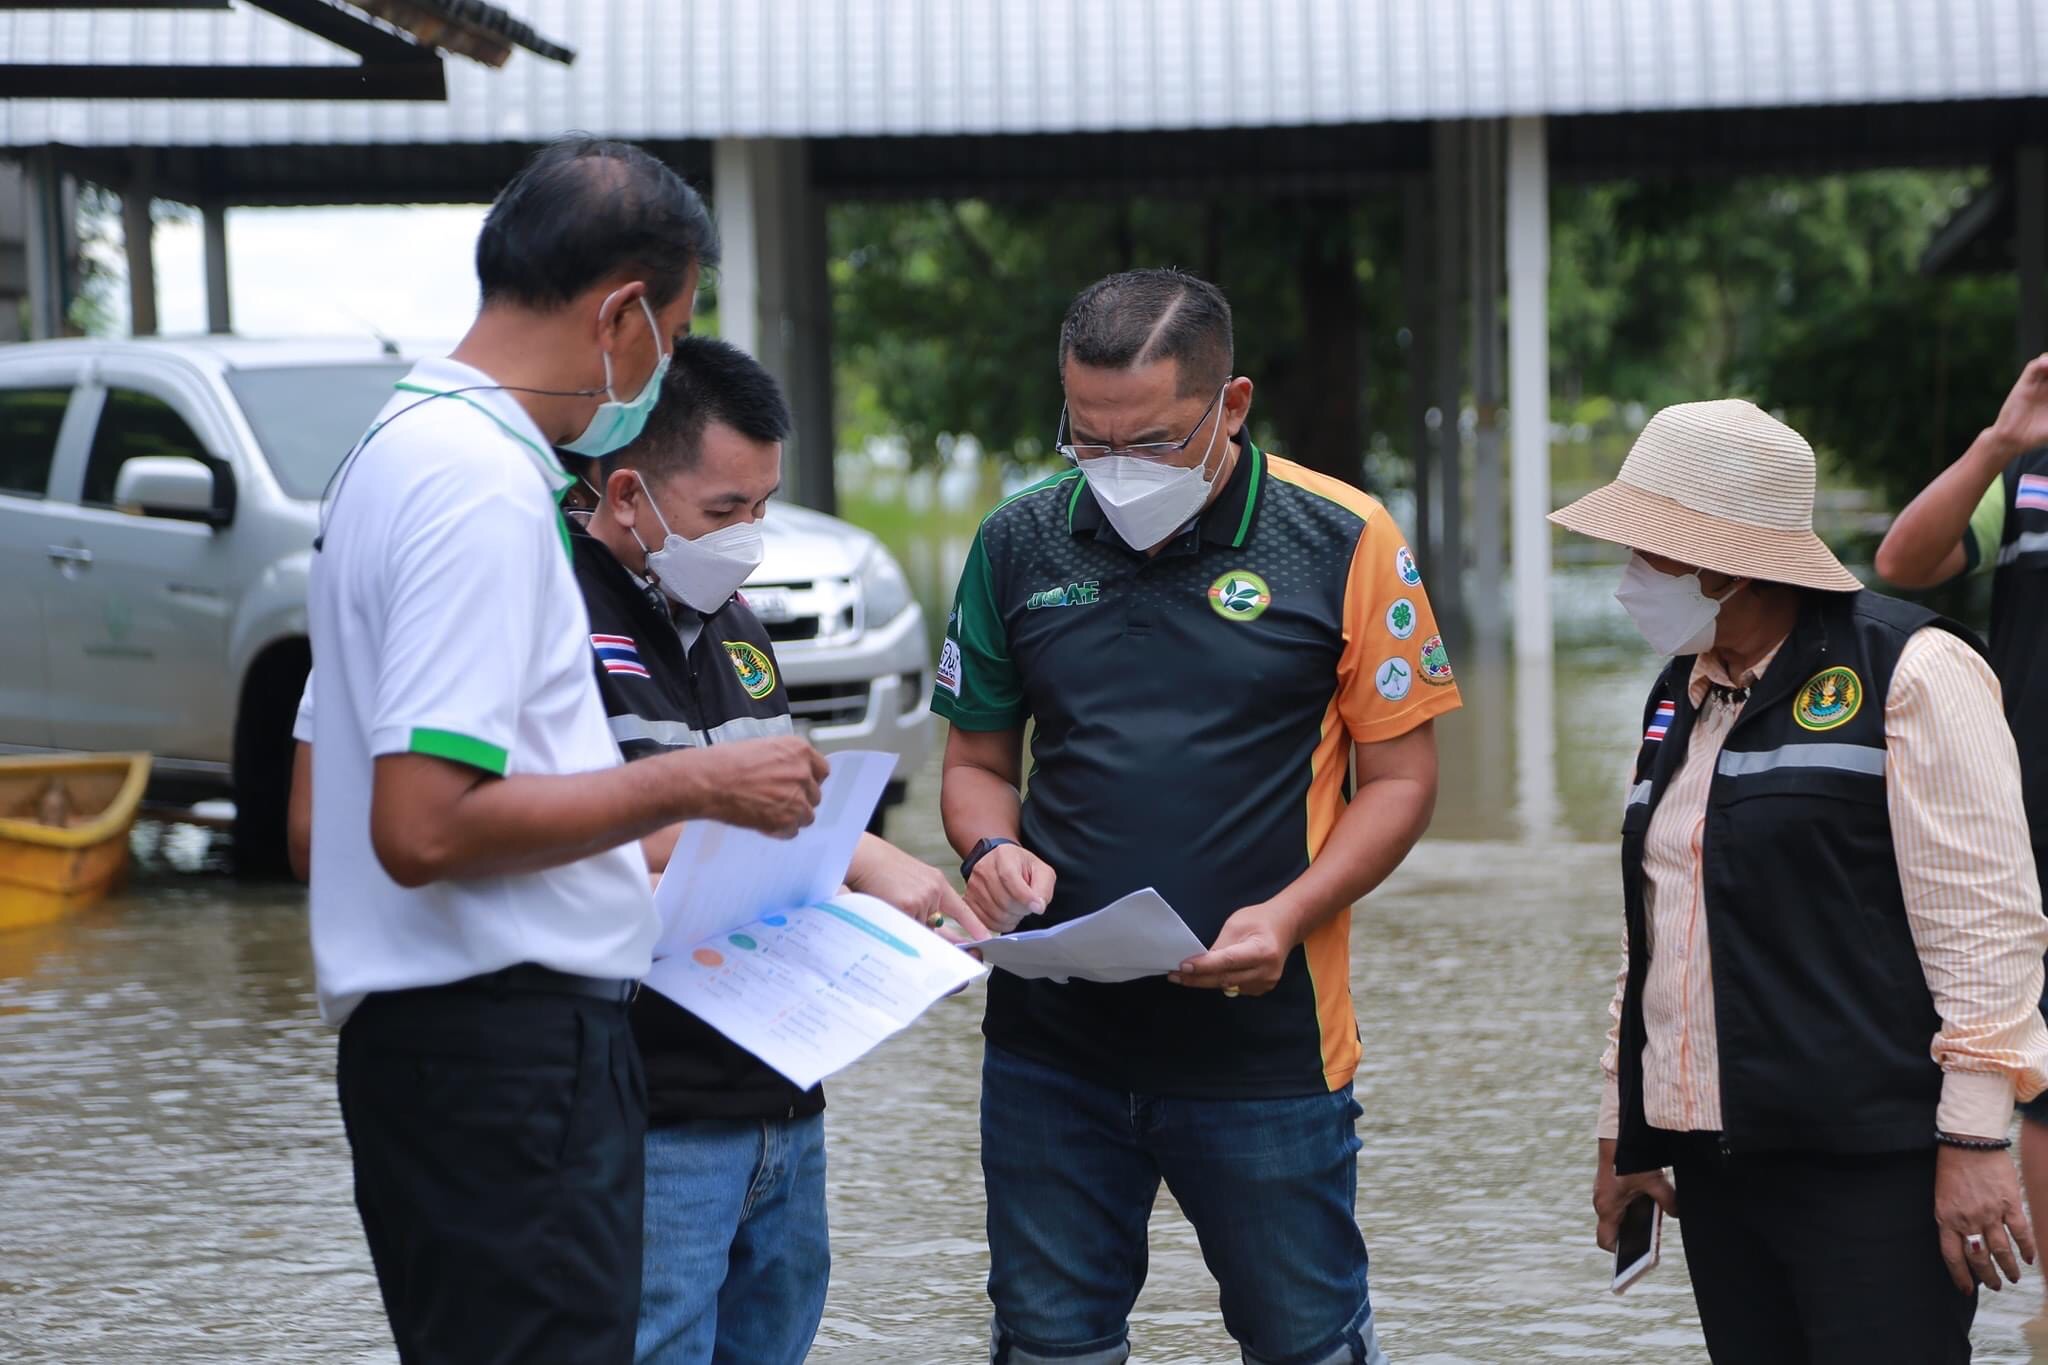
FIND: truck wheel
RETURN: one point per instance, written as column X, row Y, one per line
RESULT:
column 263, row 760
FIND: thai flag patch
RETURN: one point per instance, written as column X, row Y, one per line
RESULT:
column 2033, row 493
column 1660, row 724
column 619, row 654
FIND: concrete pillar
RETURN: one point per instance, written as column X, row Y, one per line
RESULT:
column 774, row 297
column 1450, row 158
column 13, row 254
column 138, row 238
column 219, row 316
column 51, row 226
column 1488, row 528
column 1528, row 230
column 2030, row 246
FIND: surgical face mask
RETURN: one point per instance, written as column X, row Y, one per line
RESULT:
column 703, row 573
column 1147, row 501
column 1672, row 611
column 616, row 422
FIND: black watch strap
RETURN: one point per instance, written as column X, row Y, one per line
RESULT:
column 979, row 851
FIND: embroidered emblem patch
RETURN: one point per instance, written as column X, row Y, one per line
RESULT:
column 1240, row 595
column 1394, row 678
column 1660, row 724
column 1436, row 662
column 1401, row 619
column 1404, row 565
column 1830, row 698
column 949, row 666
column 757, row 675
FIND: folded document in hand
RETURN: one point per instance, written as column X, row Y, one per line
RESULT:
column 1139, row 935
column 755, row 943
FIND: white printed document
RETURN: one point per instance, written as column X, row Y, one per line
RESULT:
column 758, row 943
column 721, row 876
column 813, row 989
column 1139, row 935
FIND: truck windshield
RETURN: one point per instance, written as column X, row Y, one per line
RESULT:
column 307, row 416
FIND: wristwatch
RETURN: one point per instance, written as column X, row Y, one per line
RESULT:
column 978, row 852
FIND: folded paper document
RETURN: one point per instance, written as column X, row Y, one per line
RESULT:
column 757, row 942
column 1139, row 935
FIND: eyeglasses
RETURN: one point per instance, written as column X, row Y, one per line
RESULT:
column 1155, row 451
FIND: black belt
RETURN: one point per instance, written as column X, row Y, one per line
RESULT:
column 531, row 976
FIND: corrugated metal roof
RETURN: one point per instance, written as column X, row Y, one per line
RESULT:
column 746, row 68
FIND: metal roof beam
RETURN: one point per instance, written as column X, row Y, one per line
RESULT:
column 347, row 30
column 410, row 80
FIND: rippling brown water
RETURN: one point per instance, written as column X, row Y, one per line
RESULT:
column 174, row 1184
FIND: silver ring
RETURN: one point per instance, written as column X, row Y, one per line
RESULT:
column 1975, row 1241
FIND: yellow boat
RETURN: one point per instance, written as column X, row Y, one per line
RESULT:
column 64, row 826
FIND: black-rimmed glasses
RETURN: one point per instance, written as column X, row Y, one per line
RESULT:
column 1155, row 451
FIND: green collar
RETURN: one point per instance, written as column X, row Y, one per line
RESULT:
column 559, row 480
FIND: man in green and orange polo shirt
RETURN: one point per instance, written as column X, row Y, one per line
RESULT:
column 1232, row 675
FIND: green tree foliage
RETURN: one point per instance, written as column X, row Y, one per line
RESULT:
column 946, row 314
column 1804, row 294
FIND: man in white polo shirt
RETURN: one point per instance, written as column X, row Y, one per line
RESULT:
column 480, row 904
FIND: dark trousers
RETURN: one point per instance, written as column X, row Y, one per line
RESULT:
column 1811, row 1259
column 498, row 1142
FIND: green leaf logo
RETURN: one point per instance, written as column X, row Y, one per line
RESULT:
column 1240, row 595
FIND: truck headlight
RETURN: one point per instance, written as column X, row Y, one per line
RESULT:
column 884, row 591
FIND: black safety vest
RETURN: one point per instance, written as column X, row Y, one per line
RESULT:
column 2019, row 628
column 659, row 696
column 1821, row 1009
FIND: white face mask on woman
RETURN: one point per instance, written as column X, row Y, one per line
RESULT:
column 1146, row 500
column 703, row 573
column 1672, row 611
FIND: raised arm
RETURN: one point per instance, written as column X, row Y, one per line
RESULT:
column 1926, row 544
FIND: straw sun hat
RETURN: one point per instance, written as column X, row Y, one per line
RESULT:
column 1721, row 485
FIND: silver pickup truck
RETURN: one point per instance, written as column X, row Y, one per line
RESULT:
column 158, row 502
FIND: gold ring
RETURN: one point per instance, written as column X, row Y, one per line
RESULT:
column 935, row 920
column 1230, row 991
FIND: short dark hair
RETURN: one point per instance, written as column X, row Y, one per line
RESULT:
column 708, row 381
column 584, row 210
column 1139, row 316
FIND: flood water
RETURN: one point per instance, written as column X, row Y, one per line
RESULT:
column 174, row 1184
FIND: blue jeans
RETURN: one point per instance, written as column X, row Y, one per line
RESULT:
column 736, row 1254
column 1073, row 1169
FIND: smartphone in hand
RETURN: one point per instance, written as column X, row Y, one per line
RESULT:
column 1641, row 1240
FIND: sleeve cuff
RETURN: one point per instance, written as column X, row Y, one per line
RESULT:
column 1610, row 1110
column 1441, row 701
column 1975, row 1104
column 446, row 744
column 962, row 717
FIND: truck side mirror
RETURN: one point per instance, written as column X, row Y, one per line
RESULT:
column 177, row 487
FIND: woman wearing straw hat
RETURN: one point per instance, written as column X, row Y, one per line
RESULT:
column 1833, row 933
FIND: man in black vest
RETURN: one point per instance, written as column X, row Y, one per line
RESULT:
column 1988, row 513
column 736, row 1255
column 1827, row 1004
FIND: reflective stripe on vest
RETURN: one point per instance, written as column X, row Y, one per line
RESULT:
column 673, row 734
column 1846, row 758
column 2032, row 542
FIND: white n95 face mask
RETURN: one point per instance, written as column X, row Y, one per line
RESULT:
column 1672, row 611
column 703, row 573
column 1147, row 501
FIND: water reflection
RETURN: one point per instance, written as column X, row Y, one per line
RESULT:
column 174, row 1185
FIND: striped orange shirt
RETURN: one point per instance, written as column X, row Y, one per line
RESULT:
column 1966, row 866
